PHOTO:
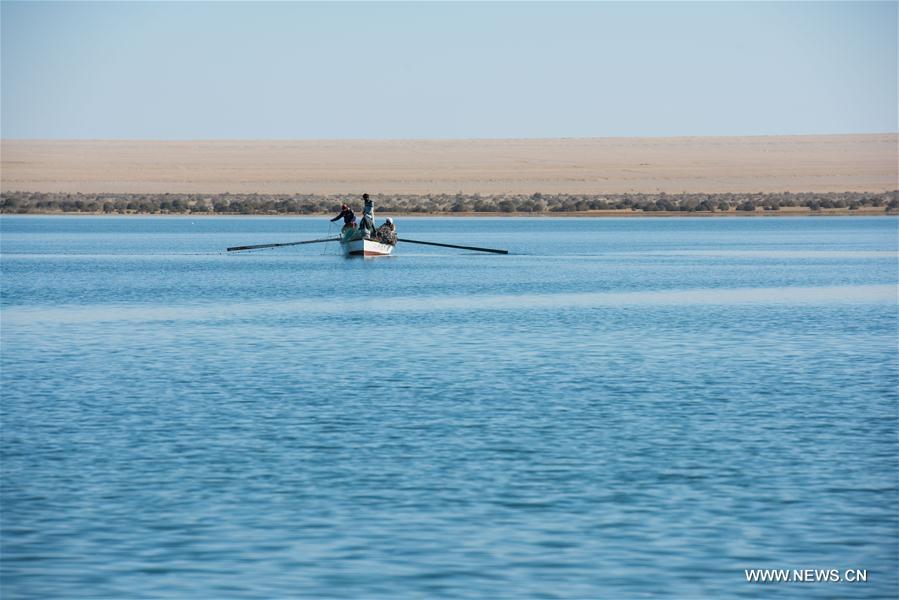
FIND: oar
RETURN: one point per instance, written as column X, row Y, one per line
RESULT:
column 408, row 241
column 258, row 246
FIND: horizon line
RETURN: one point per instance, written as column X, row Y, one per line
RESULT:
column 443, row 139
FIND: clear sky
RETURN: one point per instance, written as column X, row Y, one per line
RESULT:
column 179, row 70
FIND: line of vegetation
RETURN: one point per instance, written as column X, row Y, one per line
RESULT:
column 310, row 204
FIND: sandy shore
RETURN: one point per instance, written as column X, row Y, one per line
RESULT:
column 829, row 163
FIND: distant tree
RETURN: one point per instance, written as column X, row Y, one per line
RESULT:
column 506, row 205
column 484, row 205
column 460, row 205
column 664, row 203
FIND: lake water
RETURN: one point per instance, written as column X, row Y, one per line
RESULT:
column 621, row 408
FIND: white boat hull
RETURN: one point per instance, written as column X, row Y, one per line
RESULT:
column 366, row 248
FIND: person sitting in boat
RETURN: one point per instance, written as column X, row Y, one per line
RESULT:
column 368, row 216
column 387, row 232
column 349, row 217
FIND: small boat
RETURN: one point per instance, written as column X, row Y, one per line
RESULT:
column 357, row 242
column 354, row 243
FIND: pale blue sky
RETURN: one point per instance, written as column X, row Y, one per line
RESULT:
column 170, row 70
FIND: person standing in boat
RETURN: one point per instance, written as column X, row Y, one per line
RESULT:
column 349, row 217
column 368, row 215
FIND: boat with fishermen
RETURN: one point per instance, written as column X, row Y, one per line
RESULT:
column 354, row 243
column 364, row 239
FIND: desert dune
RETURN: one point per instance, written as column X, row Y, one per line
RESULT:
column 821, row 163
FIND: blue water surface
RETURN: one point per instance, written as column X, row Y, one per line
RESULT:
column 620, row 408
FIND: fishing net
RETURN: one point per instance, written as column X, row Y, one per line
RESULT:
column 386, row 235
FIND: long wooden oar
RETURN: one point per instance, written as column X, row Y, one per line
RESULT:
column 493, row 250
column 258, row 246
